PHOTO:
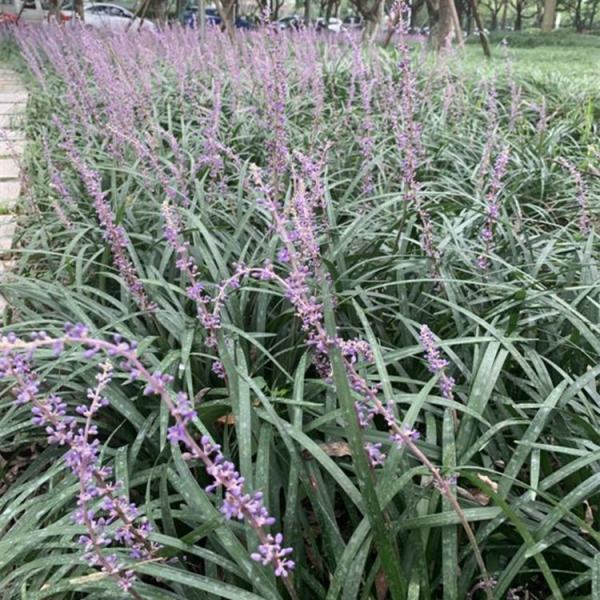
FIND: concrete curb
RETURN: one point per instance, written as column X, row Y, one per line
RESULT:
column 13, row 99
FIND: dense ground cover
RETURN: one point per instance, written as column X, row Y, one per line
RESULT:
column 296, row 232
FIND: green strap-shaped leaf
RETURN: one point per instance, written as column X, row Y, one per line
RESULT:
column 386, row 546
column 450, row 569
column 481, row 390
column 531, row 434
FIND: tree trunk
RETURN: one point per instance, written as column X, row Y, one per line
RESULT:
column 444, row 35
column 456, row 24
column 592, row 14
column 179, row 8
column 485, row 45
column 226, row 10
column 518, row 15
column 53, row 11
column 78, row 8
column 504, row 15
column 202, row 17
column 372, row 19
column 275, row 7
column 328, row 12
column 433, row 19
column 393, row 20
column 160, row 11
column 460, row 11
column 414, row 12
column 493, row 20
column 579, row 23
column 228, row 14
column 307, row 12
column 140, row 15
column 370, row 29
column 549, row 17
column 469, row 20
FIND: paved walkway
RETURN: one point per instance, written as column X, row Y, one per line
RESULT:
column 13, row 98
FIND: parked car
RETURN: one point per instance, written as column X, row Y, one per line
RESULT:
column 107, row 16
column 26, row 11
column 212, row 17
column 290, row 22
column 334, row 24
column 244, row 23
column 352, row 22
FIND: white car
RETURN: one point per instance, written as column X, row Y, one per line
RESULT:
column 334, row 24
column 108, row 16
column 26, row 11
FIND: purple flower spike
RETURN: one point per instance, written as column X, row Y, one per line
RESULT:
column 408, row 133
column 82, row 457
column 375, row 456
column 218, row 369
column 272, row 552
column 584, row 221
column 115, row 235
column 435, row 363
column 492, row 208
column 401, row 437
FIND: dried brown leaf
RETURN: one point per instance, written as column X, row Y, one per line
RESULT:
column 336, row 449
column 489, row 481
column 228, row 419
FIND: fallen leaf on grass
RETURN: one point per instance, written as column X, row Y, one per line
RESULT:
column 337, row 449
column 228, row 419
column 477, row 495
column 489, row 481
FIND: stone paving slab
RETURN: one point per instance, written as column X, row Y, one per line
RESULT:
column 13, row 96
column 7, row 231
column 9, row 168
column 11, row 120
column 11, row 148
column 10, row 191
column 12, row 108
column 13, row 89
column 12, row 135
